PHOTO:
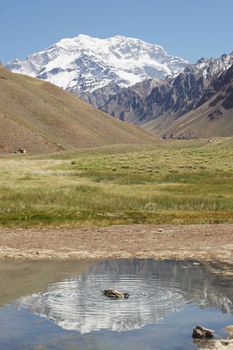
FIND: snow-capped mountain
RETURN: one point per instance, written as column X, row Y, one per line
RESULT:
column 84, row 64
column 214, row 66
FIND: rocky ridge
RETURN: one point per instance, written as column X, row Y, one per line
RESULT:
column 166, row 101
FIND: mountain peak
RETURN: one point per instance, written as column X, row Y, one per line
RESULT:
column 85, row 64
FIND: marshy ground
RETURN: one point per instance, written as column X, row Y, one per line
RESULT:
column 178, row 182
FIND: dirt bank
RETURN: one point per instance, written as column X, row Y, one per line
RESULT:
column 199, row 242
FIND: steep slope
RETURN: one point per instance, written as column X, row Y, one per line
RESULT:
column 41, row 117
column 188, row 90
column 212, row 118
column 129, row 104
column 84, row 64
column 168, row 100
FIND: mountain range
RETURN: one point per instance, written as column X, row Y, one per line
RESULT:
column 202, row 95
column 140, row 83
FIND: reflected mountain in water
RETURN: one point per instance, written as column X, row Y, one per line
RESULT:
column 157, row 289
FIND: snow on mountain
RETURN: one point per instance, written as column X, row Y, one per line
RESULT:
column 84, row 64
column 214, row 66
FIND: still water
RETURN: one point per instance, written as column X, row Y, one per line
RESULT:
column 55, row 305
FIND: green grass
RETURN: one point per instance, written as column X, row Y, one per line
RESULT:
column 180, row 182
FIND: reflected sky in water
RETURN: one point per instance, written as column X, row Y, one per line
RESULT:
column 169, row 297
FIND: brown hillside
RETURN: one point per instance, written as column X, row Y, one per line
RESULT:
column 204, row 122
column 41, row 117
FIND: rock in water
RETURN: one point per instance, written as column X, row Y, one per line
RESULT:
column 202, row 332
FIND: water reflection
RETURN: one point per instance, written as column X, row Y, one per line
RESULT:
column 26, row 277
column 157, row 290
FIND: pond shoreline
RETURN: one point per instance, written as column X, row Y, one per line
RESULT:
column 212, row 243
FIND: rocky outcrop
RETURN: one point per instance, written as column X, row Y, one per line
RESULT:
column 129, row 103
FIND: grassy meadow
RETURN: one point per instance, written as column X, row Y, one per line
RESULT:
column 175, row 182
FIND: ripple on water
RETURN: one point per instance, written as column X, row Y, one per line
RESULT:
column 78, row 304
column 156, row 289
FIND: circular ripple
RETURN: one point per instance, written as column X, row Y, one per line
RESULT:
column 78, row 304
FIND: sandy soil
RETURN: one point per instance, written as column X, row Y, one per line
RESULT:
column 198, row 242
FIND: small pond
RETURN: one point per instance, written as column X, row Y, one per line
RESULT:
column 59, row 305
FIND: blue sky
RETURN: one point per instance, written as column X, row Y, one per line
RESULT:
column 187, row 28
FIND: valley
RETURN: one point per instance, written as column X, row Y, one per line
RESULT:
column 116, row 175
